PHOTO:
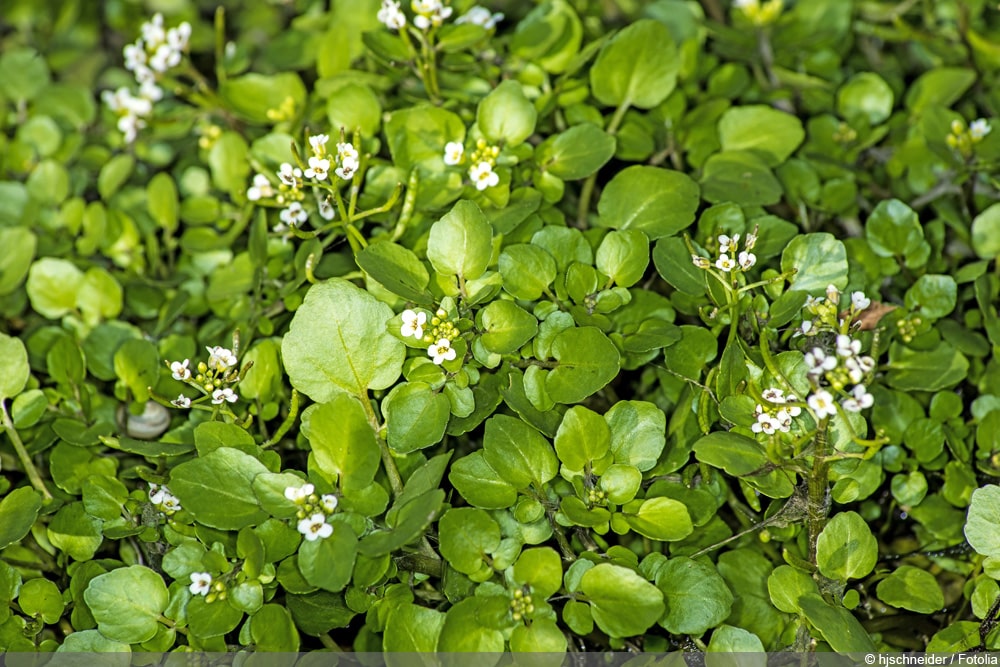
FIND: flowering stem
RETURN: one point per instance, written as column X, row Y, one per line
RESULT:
column 293, row 411
column 818, row 484
column 22, row 453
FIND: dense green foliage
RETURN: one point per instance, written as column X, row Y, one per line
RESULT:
column 598, row 325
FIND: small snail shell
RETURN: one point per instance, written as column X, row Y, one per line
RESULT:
column 151, row 424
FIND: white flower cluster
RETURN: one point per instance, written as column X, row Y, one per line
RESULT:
column 847, row 366
column 482, row 160
column 432, row 13
column 730, row 255
column 313, row 511
column 219, row 369
column 778, row 415
column 164, row 501
column 440, row 337
column 428, row 13
column 391, row 15
column 480, row 16
column 154, row 53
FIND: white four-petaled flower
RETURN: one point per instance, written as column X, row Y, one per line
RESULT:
column 318, row 143
column 480, row 16
column 413, row 324
column 391, row 15
column 859, row 301
column 441, row 351
column 315, row 527
column 289, row 175
column 747, row 260
column 220, row 358
column 329, row 502
column 979, row 129
column 318, row 168
column 219, row 396
column 181, row 401
column 453, row 152
column 483, row 176
column 294, row 215
column 179, row 370
column 822, row 403
column 298, row 494
column 725, row 263
column 201, row 583
column 261, row 188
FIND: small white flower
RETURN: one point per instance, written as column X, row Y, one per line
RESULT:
column 480, row 16
column 135, row 56
column 822, row 404
column 866, row 364
column 861, row 395
column 747, row 260
column 347, row 168
column 315, row 527
column 261, row 188
column 318, row 168
column 979, row 129
column 700, row 262
column 201, row 583
column 453, row 152
column 773, row 395
column 483, row 176
column 765, row 424
column 179, row 370
column 220, row 358
column 294, row 215
column 181, row 401
column 751, row 239
column 165, row 501
column 318, row 143
column 178, row 37
column 833, row 294
column 784, row 420
column 847, row 347
column 289, row 175
column 346, row 151
column 854, row 370
column 724, row 263
column 148, row 90
column 441, row 351
column 221, row 395
column 413, row 324
column 298, row 494
column 329, row 502
column 727, row 244
column 792, row 410
column 859, row 301
column 325, row 207
column 391, row 16
column 152, row 31
column 818, row 362
column 806, row 327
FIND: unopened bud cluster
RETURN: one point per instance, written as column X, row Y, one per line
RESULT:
column 760, row 13
column 521, row 606
column 963, row 140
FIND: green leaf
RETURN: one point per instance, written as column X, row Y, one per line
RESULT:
column 740, row 177
column 985, row 233
column 588, row 361
column 932, row 296
column 480, row 484
column 409, row 522
column 19, row 245
column 819, row 260
column 846, row 548
column 542, row 636
column 505, row 326
column 461, row 242
column 786, row 586
column 925, row 370
column 583, row 438
column 837, row 625
column 211, row 619
column 18, row 511
column 466, row 537
column 673, row 262
column 911, row 588
column 657, row 201
column 983, row 519
column 257, row 97
column 771, row 134
column 623, row 256
column 527, row 270
column 865, row 95
column 16, row 369
column 576, row 153
column 638, row 433
column 412, row 629
column 26, row 73
column 162, row 201
column 342, row 441
column 41, row 598
column 114, row 174
column 623, row 604
column 273, row 630
column 354, row 106
column 636, row 67
column 415, row 416
column 92, row 641
column 620, row 482
column 75, row 532
column 518, row 453
column 661, row 519
column 338, row 342
column 397, row 269
column 550, row 36
column 52, row 286
column 127, row 603
column 329, row 562
column 729, row 639
column 463, row 632
column 505, row 115
column 540, row 568
column 893, row 229
column 209, row 436
column 217, row 490
column 938, row 87
column 697, row 596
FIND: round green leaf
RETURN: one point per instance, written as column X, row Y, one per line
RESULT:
column 16, row 369
column 925, row 370
column 342, row 440
column 638, row 433
column 729, row 639
column 74, row 531
column 26, row 73
column 819, row 260
column 527, row 270
column 397, row 269
column 911, row 588
column 463, row 632
column 623, row 256
column 415, row 416
column 583, row 437
column 588, row 360
column 480, row 484
column 542, row 636
column 893, row 229
column 52, row 286
column 412, row 629
column 657, row 201
column 337, row 342
column 18, row 511
column 770, row 134
column 127, row 603
column 519, row 453
column 540, row 568
column 696, row 594
column 740, row 177
column 41, row 598
column 466, row 537
column 622, row 603
column 255, row 97
column 985, row 233
column 983, row 519
column 846, row 549
column 621, row 483
column 461, row 242
column 329, row 562
column 217, row 489
column 661, row 519
column 576, row 153
column 19, row 244
column 505, row 326
column 865, row 95
column 505, row 115
column 211, row 619
column 636, row 67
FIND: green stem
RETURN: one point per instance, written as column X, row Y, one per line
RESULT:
column 293, row 411
column 220, row 44
column 818, row 483
column 391, row 471
column 22, row 454
column 587, row 192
